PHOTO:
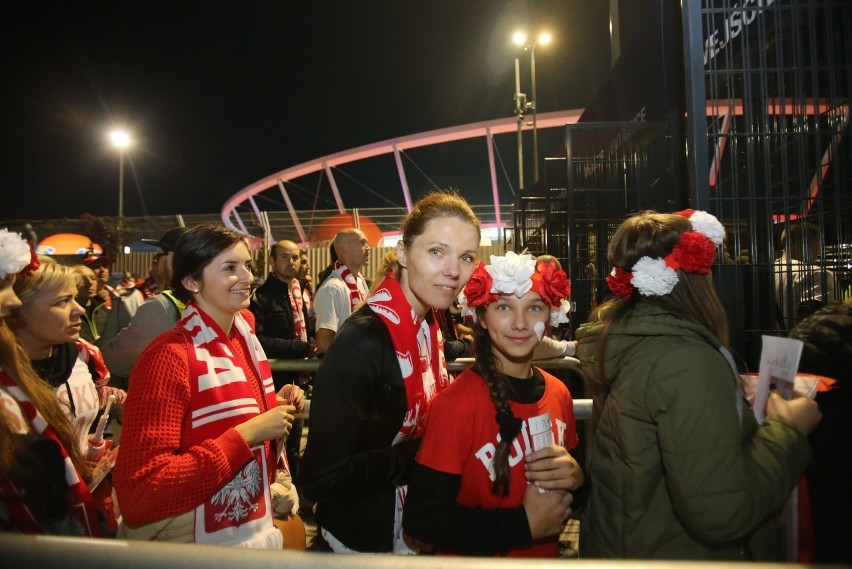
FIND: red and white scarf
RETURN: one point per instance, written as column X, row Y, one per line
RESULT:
column 356, row 290
column 294, row 292
column 419, row 349
column 308, row 300
column 222, row 397
column 296, row 302
column 81, row 506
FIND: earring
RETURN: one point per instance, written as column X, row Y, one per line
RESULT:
column 195, row 291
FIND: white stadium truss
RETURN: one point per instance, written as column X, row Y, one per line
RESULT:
column 486, row 129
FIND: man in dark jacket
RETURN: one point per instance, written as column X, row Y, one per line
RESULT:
column 827, row 351
column 282, row 328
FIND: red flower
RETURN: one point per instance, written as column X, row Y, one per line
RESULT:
column 695, row 253
column 620, row 283
column 477, row 291
column 30, row 269
column 551, row 284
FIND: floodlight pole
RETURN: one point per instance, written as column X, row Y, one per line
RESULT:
column 120, row 140
column 534, row 105
column 520, row 102
column 120, row 195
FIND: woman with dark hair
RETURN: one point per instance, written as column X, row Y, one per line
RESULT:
column 374, row 385
column 203, row 428
column 500, row 421
column 679, row 467
column 43, row 471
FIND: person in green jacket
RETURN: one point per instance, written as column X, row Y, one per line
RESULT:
column 679, row 467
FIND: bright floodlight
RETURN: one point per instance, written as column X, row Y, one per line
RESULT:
column 519, row 38
column 119, row 138
column 544, row 38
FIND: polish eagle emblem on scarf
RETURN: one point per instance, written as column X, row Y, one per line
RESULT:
column 239, row 497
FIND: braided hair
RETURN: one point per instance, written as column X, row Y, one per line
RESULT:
column 488, row 367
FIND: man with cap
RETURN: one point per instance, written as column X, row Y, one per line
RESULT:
column 126, row 308
column 152, row 317
column 163, row 257
column 100, row 265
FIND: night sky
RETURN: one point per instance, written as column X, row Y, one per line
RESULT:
column 220, row 94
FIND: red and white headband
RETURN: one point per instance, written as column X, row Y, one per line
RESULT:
column 517, row 274
column 695, row 252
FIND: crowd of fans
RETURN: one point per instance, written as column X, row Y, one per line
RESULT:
column 148, row 410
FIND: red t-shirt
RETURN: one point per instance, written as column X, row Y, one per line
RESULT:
column 461, row 437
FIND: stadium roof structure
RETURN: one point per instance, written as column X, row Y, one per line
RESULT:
column 486, row 129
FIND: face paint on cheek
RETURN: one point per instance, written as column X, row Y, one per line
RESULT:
column 539, row 330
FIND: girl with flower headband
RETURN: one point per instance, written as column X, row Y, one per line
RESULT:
column 679, row 467
column 43, row 472
column 493, row 475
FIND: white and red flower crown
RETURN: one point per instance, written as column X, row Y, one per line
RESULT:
column 695, row 252
column 517, row 274
column 16, row 255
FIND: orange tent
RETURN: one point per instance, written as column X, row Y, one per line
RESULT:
column 328, row 228
column 68, row 244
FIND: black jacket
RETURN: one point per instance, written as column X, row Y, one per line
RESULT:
column 351, row 467
column 270, row 304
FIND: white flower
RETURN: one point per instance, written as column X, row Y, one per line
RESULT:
column 14, row 253
column 560, row 315
column 652, row 277
column 465, row 309
column 707, row 225
column 511, row 274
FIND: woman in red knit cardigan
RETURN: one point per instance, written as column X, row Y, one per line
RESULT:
column 203, row 429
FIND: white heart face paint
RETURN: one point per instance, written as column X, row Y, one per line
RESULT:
column 539, row 330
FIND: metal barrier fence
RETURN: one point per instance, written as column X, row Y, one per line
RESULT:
column 42, row 551
column 47, row 551
column 582, row 407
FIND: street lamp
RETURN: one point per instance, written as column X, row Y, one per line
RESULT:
column 121, row 140
column 520, row 38
column 520, row 107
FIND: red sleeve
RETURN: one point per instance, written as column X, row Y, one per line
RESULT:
column 158, row 475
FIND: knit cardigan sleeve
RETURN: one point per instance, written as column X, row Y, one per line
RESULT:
column 158, row 474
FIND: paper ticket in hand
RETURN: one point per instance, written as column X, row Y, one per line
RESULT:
column 779, row 360
column 541, row 435
column 541, row 432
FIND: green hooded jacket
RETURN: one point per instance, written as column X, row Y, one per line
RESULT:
column 679, row 468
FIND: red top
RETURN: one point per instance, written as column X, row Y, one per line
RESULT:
column 461, row 437
column 159, row 474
